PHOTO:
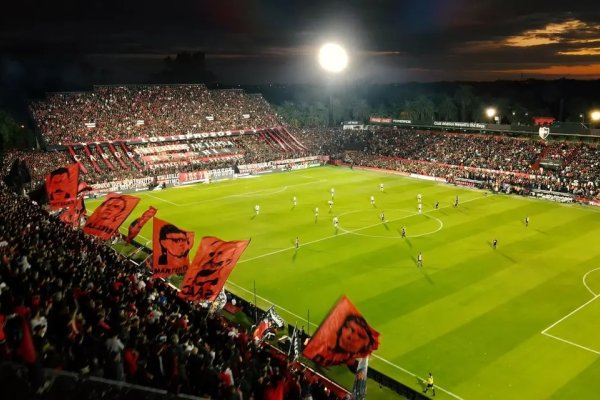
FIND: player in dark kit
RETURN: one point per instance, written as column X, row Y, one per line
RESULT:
column 403, row 232
column 495, row 243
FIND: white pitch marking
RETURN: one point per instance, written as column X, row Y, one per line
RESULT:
column 158, row 198
column 569, row 314
column 571, row 343
column 343, row 233
column 585, row 283
column 545, row 331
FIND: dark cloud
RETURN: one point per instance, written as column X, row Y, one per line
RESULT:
column 253, row 40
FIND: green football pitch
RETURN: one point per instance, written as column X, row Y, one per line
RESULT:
column 515, row 322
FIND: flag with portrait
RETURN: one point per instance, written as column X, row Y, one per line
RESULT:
column 342, row 337
column 109, row 216
column 211, row 267
column 73, row 214
column 171, row 247
column 61, row 186
column 137, row 224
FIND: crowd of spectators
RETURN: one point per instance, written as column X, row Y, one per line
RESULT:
column 68, row 301
column 121, row 112
column 40, row 163
column 501, row 160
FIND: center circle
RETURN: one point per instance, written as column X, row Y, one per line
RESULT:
column 416, row 224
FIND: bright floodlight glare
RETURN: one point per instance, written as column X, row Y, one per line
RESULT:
column 595, row 115
column 333, row 57
column 490, row 112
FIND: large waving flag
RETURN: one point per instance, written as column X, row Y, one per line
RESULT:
column 170, row 249
column 342, row 337
column 61, row 186
column 107, row 218
column 136, row 226
column 211, row 267
column 72, row 215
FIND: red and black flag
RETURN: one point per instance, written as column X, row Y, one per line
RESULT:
column 72, row 215
column 83, row 187
column 170, row 249
column 211, row 267
column 342, row 337
column 107, row 218
column 61, row 186
column 136, row 226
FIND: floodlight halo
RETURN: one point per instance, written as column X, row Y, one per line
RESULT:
column 333, row 57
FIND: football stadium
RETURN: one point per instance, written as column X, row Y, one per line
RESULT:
column 298, row 208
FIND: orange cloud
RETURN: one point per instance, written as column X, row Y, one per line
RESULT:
column 550, row 34
column 575, row 71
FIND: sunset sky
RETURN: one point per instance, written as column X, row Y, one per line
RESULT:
column 251, row 41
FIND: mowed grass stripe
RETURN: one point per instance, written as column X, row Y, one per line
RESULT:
column 459, row 293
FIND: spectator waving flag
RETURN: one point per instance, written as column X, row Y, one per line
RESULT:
column 61, row 186
column 136, row 226
column 275, row 318
column 107, row 218
column 211, row 267
column 170, row 249
column 342, row 337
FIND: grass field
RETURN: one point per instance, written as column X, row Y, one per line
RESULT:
column 516, row 322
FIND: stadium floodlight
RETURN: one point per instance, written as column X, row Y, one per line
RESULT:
column 490, row 112
column 333, row 57
column 595, row 115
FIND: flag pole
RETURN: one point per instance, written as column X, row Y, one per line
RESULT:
column 292, row 340
column 255, row 306
column 308, row 323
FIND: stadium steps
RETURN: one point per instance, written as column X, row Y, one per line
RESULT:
column 104, row 157
column 285, row 132
column 74, row 156
column 536, row 164
column 130, row 155
column 92, row 158
column 117, row 156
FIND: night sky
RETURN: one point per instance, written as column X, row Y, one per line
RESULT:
column 275, row 41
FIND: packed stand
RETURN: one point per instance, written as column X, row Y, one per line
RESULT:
column 39, row 163
column 122, row 112
column 92, row 312
column 501, row 162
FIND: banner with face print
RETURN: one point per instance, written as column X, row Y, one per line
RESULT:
column 72, row 215
column 211, row 267
column 61, row 186
column 342, row 337
column 107, row 218
column 170, row 249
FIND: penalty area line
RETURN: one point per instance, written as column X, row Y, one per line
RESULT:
column 595, row 296
column 229, row 282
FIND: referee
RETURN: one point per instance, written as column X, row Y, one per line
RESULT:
column 429, row 385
